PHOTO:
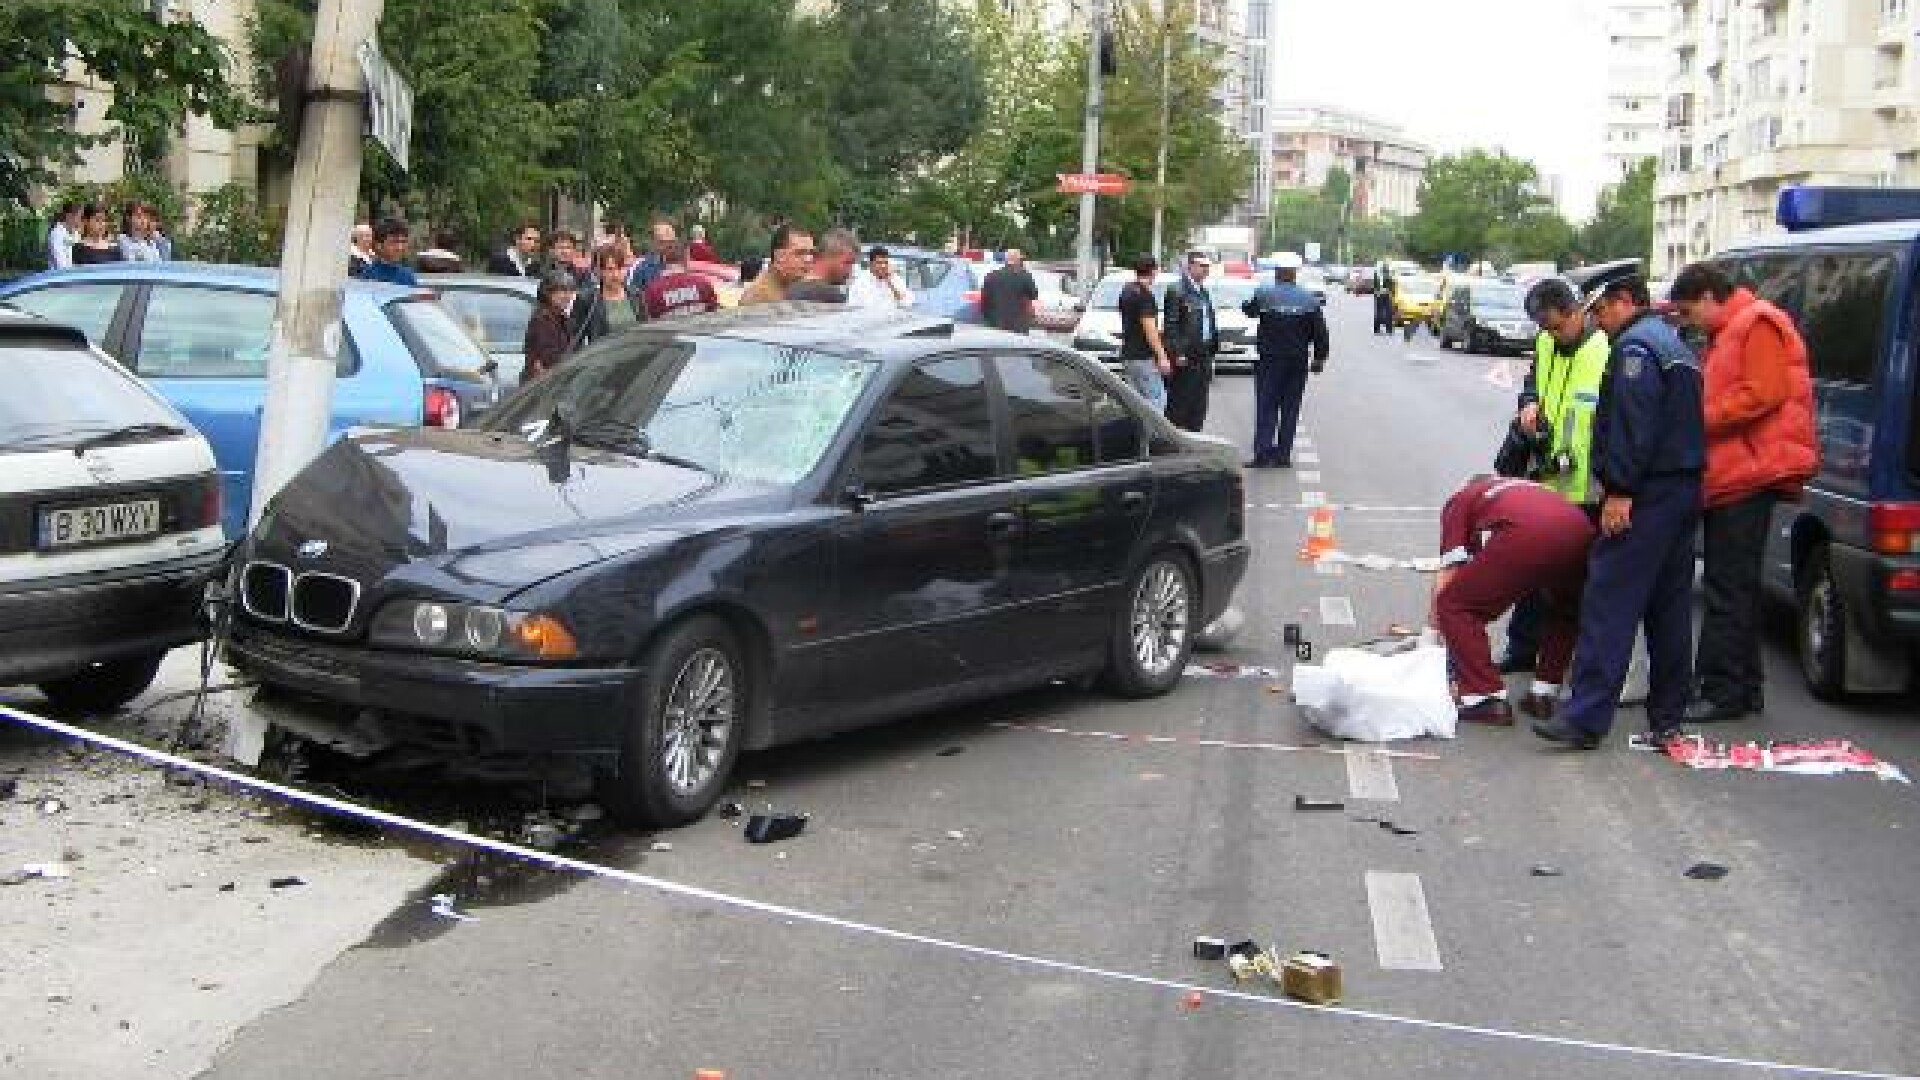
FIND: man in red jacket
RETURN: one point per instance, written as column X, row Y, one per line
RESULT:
column 1500, row 540
column 1760, row 449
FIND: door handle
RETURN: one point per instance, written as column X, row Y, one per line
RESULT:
column 1003, row 524
column 1133, row 501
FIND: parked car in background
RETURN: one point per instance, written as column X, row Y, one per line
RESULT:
column 109, row 520
column 943, row 285
column 1360, row 281
column 1416, row 297
column 1487, row 315
column 1314, row 281
column 1098, row 332
column 1236, row 330
column 494, row 310
column 1058, row 308
column 740, row 530
column 199, row 333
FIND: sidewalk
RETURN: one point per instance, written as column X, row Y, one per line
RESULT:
column 166, row 933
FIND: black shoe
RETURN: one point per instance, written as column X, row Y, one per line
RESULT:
column 1516, row 665
column 1280, row 463
column 1559, row 731
column 1708, row 711
column 1539, row 706
column 1493, row 712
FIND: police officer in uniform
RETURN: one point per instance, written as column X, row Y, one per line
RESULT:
column 1292, row 342
column 1192, row 339
column 1649, row 450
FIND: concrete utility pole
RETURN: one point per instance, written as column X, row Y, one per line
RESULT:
column 1166, row 104
column 1090, row 145
column 307, row 337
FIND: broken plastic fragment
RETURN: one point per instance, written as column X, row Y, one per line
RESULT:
column 442, row 907
column 950, row 751
column 47, row 870
column 772, row 828
column 731, row 810
column 1301, row 802
column 1545, row 870
column 1706, row 871
column 1399, row 830
column 51, row 807
column 1209, row 948
column 660, row 846
column 1193, row 1000
column 284, row 882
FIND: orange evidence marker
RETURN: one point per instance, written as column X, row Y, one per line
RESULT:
column 1319, row 535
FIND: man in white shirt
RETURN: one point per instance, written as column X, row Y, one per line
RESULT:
column 877, row 286
column 60, row 238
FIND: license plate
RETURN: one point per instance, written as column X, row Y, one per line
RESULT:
column 76, row 525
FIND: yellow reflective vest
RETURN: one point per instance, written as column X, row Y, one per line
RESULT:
column 1568, row 390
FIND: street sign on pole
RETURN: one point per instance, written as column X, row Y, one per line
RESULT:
column 1093, row 184
column 389, row 104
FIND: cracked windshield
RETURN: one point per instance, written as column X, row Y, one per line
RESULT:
column 800, row 539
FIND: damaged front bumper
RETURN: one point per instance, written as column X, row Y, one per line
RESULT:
column 460, row 706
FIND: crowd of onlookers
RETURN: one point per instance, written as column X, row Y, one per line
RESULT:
column 83, row 234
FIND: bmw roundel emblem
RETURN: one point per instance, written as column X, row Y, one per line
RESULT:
column 312, row 549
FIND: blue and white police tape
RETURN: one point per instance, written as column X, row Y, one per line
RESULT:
column 355, row 811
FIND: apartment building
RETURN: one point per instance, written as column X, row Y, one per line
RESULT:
column 1767, row 93
column 1309, row 141
column 1636, row 81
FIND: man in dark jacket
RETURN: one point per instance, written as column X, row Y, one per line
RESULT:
column 1193, row 337
column 521, row 256
column 1008, row 295
column 1649, row 450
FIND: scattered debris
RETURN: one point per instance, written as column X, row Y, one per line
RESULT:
column 1247, row 959
column 50, row 807
column 1290, row 634
column 1399, row 830
column 1222, row 670
column 731, row 810
column 1546, row 870
column 709, row 1074
column 756, row 783
column 586, row 812
column 1121, row 738
column 951, row 751
column 660, row 846
column 13, row 877
column 1301, row 802
column 9, row 787
column 48, row 870
column 228, row 887
column 288, row 882
column 1209, row 948
column 956, row 834
column 1193, row 1000
column 771, row 828
column 1824, row 757
column 542, row 833
column 1311, row 977
column 1706, row 871
column 442, row 907
column 1219, row 634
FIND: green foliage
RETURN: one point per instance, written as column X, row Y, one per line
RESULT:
column 228, row 227
column 1539, row 234
column 1298, row 217
column 1464, row 196
column 160, row 72
column 1622, row 225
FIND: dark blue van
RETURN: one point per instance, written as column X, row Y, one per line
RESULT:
column 1848, row 556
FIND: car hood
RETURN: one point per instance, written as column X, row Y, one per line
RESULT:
column 482, row 509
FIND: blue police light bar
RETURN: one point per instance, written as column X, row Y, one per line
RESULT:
column 1803, row 208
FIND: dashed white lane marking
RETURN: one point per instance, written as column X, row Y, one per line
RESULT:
column 1402, row 930
column 1329, row 569
column 1370, row 776
column 1313, row 499
column 1336, row 611
column 1308, row 477
column 1308, row 457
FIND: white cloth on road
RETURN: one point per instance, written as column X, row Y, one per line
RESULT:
column 1359, row 695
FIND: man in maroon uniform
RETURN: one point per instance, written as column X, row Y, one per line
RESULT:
column 676, row 290
column 1501, row 539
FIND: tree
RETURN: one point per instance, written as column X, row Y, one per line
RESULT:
column 910, row 94
column 1539, row 234
column 1463, row 197
column 1622, row 225
column 160, row 73
column 1302, row 216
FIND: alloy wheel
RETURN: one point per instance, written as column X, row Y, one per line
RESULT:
column 1160, row 617
column 698, row 720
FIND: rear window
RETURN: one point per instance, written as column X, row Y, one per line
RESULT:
column 87, row 307
column 440, row 345
column 924, row 275
column 495, row 317
column 58, row 396
column 1845, row 311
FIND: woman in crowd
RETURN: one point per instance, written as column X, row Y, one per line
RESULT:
column 550, row 331
column 139, row 242
column 95, row 245
column 608, row 307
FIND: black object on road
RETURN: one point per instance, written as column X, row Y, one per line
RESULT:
column 1301, row 802
column 951, row 751
column 772, row 828
column 284, row 883
column 1290, row 633
column 1706, row 871
column 1545, row 870
column 1209, row 948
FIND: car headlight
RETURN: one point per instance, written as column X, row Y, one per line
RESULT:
column 474, row 630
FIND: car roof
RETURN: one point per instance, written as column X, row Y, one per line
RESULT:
column 1873, row 232
column 836, row 328
column 264, row 278
column 495, row 282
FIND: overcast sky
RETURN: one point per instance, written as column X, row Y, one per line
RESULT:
column 1527, row 75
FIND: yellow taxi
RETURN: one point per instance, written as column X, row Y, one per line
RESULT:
column 1416, row 299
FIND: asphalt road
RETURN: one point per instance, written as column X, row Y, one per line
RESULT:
column 1114, row 855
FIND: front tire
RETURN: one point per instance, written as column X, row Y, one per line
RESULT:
column 1820, row 626
column 688, row 721
column 105, row 686
column 1153, row 630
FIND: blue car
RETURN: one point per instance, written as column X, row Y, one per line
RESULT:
column 199, row 335
column 943, row 285
column 1847, row 556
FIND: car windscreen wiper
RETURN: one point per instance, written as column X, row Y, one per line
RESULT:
column 128, row 433
column 624, row 438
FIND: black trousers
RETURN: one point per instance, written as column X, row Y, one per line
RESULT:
column 1188, row 390
column 1727, row 659
column 1382, row 313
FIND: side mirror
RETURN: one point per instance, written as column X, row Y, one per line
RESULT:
column 857, row 496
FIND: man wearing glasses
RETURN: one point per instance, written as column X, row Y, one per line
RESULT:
column 791, row 256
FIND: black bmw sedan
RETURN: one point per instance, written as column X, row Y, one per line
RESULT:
column 738, row 530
